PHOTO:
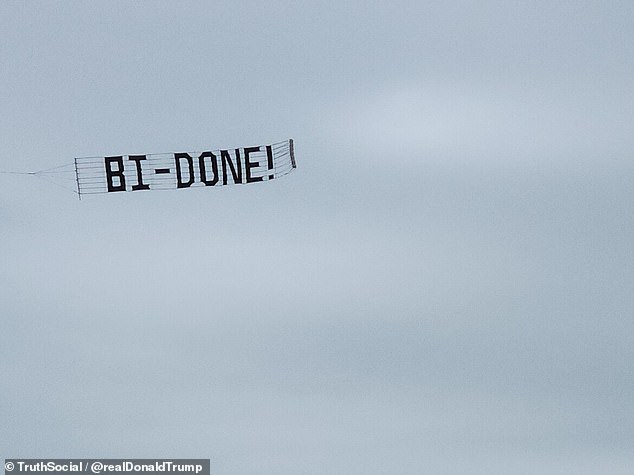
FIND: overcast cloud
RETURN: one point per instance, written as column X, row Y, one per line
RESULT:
column 444, row 285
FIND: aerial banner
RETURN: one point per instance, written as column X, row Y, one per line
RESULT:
column 183, row 170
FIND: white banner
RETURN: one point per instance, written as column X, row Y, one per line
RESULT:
column 182, row 170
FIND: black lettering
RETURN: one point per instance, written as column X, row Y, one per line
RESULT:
column 139, row 175
column 118, row 173
column 214, row 168
column 179, row 177
column 236, row 169
column 269, row 160
column 249, row 165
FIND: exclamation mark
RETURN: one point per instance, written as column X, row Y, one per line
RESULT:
column 269, row 157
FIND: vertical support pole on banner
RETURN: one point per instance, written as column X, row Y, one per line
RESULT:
column 292, row 151
column 77, row 179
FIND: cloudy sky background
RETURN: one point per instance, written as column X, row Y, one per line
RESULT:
column 444, row 285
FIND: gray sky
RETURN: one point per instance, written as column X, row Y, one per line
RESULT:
column 444, row 285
